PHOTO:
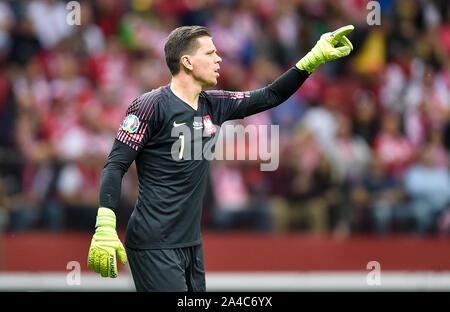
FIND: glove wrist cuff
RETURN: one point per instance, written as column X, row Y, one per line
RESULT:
column 106, row 217
column 308, row 63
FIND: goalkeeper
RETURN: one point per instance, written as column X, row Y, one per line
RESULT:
column 163, row 238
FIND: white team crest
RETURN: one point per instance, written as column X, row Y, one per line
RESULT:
column 208, row 124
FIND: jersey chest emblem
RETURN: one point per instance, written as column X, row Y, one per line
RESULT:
column 208, row 125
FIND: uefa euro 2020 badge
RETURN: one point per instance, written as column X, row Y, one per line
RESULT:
column 130, row 124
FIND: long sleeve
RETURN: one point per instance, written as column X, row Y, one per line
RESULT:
column 141, row 120
column 119, row 160
column 237, row 105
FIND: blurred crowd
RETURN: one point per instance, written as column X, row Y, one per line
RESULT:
column 364, row 143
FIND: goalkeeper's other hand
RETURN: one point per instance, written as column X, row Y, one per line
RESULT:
column 104, row 245
column 331, row 45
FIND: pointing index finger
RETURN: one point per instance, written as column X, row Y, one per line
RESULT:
column 342, row 31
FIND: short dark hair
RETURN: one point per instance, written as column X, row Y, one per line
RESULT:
column 182, row 40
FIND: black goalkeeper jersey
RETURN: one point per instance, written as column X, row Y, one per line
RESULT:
column 172, row 145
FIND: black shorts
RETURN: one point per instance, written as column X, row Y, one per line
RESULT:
column 168, row 270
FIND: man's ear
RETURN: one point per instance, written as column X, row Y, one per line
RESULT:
column 186, row 62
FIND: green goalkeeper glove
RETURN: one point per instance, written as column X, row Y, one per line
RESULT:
column 331, row 46
column 104, row 245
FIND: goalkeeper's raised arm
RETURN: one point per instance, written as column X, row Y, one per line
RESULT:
column 237, row 105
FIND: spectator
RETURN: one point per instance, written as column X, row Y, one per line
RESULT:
column 385, row 199
column 392, row 147
column 53, row 28
column 87, row 38
column 233, row 207
column 438, row 153
column 428, row 187
column 349, row 154
column 310, row 202
column 76, row 189
column 5, row 206
column 365, row 118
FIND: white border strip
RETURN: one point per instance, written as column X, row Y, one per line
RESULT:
column 237, row 281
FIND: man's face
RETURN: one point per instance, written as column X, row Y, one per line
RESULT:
column 205, row 62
